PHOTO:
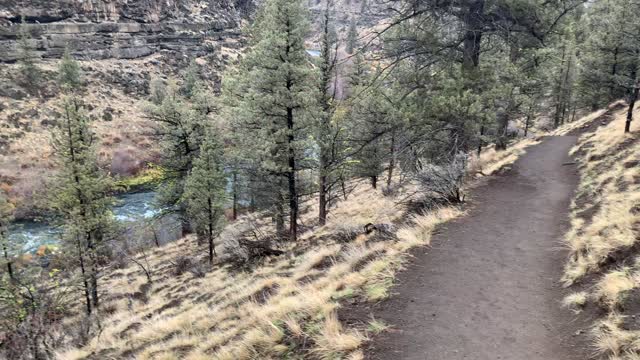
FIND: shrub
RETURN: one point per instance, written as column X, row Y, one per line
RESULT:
column 182, row 265
column 445, row 181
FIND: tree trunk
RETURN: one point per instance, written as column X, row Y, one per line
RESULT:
column 565, row 91
column 291, row 177
column 212, row 250
column 480, row 140
column 473, row 21
column 324, row 128
column 85, row 283
column 280, row 217
column 374, row 181
column 558, row 111
column 156, row 240
column 322, row 200
column 633, row 96
column 234, row 189
column 94, row 288
column 632, row 104
column 6, row 258
column 93, row 276
column 614, row 72
column 392, row 160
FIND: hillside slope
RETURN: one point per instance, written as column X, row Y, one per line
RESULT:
column 279, row 307
column 602, row 268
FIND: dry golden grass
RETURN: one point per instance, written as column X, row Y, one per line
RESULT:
column 611, row 287
column 605, row 225
column 603, row 220
column 584, row 121
column 576, row 301
column 491, row 160
column 285, row 307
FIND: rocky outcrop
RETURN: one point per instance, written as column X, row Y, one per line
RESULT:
column 123, row 29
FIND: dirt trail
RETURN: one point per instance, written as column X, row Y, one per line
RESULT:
column 488, row 288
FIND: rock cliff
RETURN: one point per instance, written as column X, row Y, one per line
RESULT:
column 121, row 29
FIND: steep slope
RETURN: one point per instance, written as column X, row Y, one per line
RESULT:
column 602, row 268
column 278, row 307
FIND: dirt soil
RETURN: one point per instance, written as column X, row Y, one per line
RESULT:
column 488, row 287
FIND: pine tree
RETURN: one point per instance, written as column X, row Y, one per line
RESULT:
column 352, row 37
column 178, row 127
column 204, row 194
column 191, row 79
column 30, row 74
column 69, row 73
column 6, row 218
column 81, row 194
column 603, row 53
column 371, row 124
column 272, row 95
column 331, row 132
column 612, row 55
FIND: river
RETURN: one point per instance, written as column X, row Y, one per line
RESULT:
column 132, row 210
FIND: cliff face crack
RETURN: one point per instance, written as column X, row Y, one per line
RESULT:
column 39, row 19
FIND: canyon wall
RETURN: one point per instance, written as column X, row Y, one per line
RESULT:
column 121, row 29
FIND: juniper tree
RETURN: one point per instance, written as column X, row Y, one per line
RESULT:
column 6, row 218
column 191, row 79
column 272, row 96
column 69, row 73
column 204, row 194
column 81, row 194
column 157, row 91
column 30, row 74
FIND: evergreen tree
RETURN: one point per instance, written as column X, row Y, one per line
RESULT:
column 69, row 73
column 603, row 53
column 330, row 130
column 191, row 79
column 157, row 91
column 179, row 130
column 611, row 55
column 272, row 95
column 30, row 74
column 81, row 194
column 204, row 194
column 352, row 37
column 371, row 128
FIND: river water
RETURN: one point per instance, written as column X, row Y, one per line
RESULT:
column 134, row 211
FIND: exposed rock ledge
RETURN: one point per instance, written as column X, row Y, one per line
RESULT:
column 114, row 40
column 124, row 29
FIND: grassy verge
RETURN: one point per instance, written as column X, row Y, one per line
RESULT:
column 146, row 179
column 603, row 265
